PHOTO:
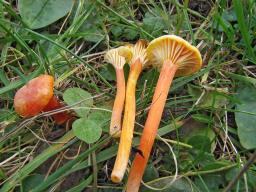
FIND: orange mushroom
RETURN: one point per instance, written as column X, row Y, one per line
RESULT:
column 113, row 57
column 37, row 96
column 137, row 62
column 175, row 57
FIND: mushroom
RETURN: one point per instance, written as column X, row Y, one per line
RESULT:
column 137, row 62
column 36, row 96
column 175, row 57
column 118, row 61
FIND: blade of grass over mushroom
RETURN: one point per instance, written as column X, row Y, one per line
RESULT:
column 137, row 62
column 61, row 144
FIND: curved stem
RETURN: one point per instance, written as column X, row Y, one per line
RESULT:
column 128, row 124
column 115, row 124
column 151, row 125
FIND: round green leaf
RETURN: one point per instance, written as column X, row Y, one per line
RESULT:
column 87, row 130
column 75, row 95
column 101, row 117
column 246, row 122
column 40, row 13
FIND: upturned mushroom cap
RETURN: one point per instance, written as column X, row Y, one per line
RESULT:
column 113, row 57
column 139, row 52
column 176, row 49
column 134, row 52
column 34, row 96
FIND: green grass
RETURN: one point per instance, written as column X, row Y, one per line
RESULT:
column 199, row 120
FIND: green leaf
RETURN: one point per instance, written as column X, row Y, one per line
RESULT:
column 210, row 182
column 108, row 72
column 130, row 34
column 150, row 173
column 101, row 117
column 198, row 134
column 246, row 122
column 200, row 142
column 91, row 30
column 179, row 185
column 153, row 24
column 92, row 35
column 251, row 182
column 77, row 95
column 211, row 98
column 87, row 130
column 40, row 13
column 117, row 31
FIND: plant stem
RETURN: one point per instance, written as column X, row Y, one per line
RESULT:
column 152, row 123
column 115, row 124
column 128, row 124
column 241, row 172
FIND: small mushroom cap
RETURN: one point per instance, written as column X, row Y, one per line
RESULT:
column 113, row 57
column 176, row 49
column 139, row 52
column 34, row 96
column 126, row 52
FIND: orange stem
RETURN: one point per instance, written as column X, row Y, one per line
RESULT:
column 115, row 124
column 128, row 124
column 152, row 123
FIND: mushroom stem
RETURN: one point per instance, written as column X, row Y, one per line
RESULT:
column 128, row 123
column 152, row 123
column 115, row 124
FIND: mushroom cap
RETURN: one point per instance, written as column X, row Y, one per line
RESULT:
column 126, row 52
column 112, row 56
column 31, row 99
column 139, row 52
column 176, row 49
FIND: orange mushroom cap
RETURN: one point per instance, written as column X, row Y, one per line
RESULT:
column 176, row 49
column 32, row 98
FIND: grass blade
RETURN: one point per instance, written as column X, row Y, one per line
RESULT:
column 28, row 168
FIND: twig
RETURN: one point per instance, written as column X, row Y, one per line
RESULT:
column 240, row 174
